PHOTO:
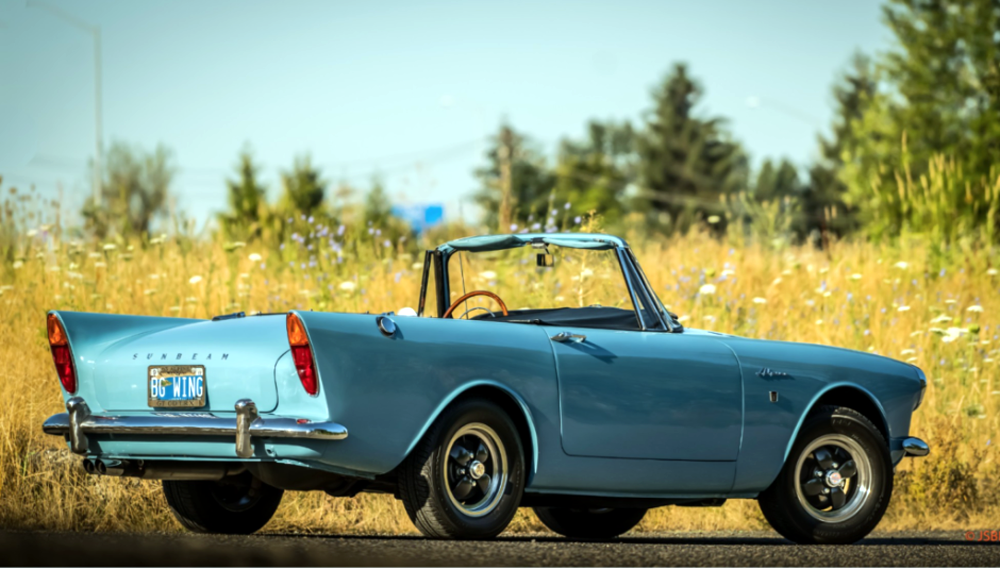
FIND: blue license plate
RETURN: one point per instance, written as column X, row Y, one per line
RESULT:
column 177, row 386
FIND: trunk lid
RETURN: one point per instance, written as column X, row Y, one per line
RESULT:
column 238, row 354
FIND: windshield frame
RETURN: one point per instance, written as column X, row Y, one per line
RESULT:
column 643, row 297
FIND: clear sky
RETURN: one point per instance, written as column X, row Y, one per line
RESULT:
column 405, row 89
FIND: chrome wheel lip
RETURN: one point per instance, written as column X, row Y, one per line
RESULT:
column 496, row 467
column 862, row 479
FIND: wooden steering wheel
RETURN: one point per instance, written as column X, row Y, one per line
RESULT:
column 464, row 297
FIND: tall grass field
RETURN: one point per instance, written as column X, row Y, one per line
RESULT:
column 913, row 300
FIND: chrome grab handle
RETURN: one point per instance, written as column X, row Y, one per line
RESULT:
column 568, row 337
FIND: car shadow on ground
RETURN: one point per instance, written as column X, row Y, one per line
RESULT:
column 943, row 539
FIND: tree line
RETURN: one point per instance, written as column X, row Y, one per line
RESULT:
column 913, row 147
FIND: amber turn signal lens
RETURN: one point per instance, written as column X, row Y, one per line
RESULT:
column 57, row 336
column 302, row 354
column 296, row 332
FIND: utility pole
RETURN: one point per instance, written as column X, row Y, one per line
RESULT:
column 95, row 32
column 504, row 154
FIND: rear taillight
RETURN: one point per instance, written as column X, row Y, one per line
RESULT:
column 302, row 354
column 61, row 354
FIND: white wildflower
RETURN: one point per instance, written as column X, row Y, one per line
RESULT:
column 903, row 308
column 856, row 277
column 110, row 246
column 255, row 257
column 18, row 264
column 488, row 275
column 707, row 288
column 195, row 279
column 759, row 300
column 348, row 286
column 907, row 352
column 991, row 272
column 902, row 265
column 974, row 308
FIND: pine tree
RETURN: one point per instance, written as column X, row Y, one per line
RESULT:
column 246, row 199
column 304, row 188
column 687, row 163
column 824, row 209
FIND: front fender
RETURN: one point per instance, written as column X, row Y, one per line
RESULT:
column 800, row 375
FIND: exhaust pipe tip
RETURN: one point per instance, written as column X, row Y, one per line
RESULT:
column 89, row 467
column 101, row 467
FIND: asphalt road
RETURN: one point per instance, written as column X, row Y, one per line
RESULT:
column 668, row 549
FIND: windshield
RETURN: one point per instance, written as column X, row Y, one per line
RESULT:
column 571, row 278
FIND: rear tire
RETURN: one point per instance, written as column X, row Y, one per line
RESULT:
column 582, row 523
column 240, row 504
column 837, row 481
column 465, row 478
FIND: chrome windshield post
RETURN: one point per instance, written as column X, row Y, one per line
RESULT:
column 640, row 292
column 630, row 283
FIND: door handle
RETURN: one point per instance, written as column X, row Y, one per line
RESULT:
column 568, row 337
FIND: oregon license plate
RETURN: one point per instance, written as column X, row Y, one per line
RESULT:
column 177, row 386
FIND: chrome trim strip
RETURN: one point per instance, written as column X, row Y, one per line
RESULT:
column 78, row 424
column 915, row 447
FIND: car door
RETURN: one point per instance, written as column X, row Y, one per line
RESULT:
column 647, row 395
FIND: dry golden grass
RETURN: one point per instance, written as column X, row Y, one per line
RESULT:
column 907, row 301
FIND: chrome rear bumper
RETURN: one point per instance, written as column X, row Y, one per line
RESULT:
column 77, row 423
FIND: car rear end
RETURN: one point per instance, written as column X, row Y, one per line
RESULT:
column 173, row 398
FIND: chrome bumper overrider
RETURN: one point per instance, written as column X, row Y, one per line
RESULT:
column 77, row 423
column 915, row 447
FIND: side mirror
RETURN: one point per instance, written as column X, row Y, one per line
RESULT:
column 545, row 260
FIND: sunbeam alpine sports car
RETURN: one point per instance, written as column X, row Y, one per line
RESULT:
column 590, row 405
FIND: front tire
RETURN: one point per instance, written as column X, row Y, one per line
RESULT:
column 465, row 478
column 603, row 523
column 240, row 504
column 837, row 481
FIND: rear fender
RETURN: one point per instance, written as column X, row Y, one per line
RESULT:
column 466, row 388
column 89, row 334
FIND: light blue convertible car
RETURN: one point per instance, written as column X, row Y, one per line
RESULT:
column 590, row 406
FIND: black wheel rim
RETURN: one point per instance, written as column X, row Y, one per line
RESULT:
column 833, row 478
column 475, row 470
